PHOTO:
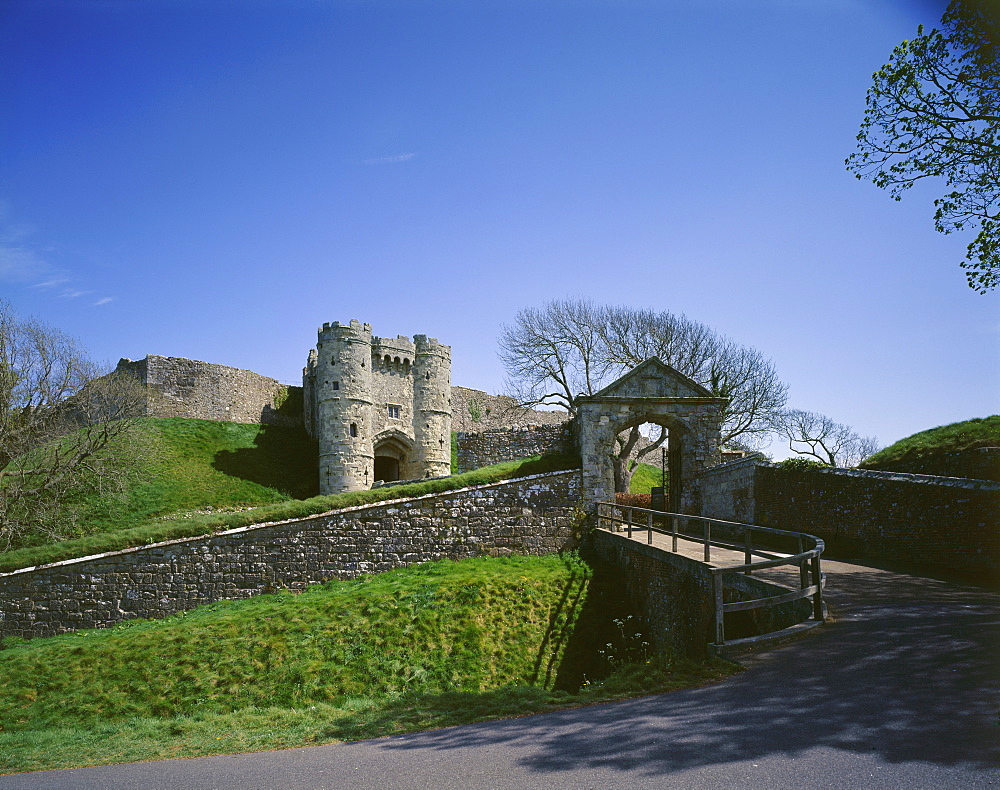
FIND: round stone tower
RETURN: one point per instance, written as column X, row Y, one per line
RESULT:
column 342, row 404
column 432, row 405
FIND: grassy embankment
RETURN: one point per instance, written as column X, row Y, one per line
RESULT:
column 428, row 646
column 966, row 435
column 645, row 478
column 197, row 473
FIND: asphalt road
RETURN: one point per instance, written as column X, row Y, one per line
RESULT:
column 900, row 691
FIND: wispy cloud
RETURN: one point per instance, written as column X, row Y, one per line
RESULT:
column 72, row 293
column 52, row 282
column 25, row 262
column 390, row 160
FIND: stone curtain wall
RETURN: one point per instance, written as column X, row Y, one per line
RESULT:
column 200, row 390
column 476, row 450
column 474, row 411
column 534, row 515
column 949, row 523
column 944, row 522
column 727, row 490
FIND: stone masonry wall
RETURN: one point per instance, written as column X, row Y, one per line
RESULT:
column 675, row 598
column 947, row 523
column 201, row 390
column 534, row 515
column 727, row 490
column 475, row 411
column 950, row 523
column 476, row 450
column 980, row 463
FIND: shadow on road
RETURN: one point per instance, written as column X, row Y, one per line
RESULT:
column 907, row 671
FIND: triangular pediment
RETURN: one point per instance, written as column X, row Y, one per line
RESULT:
column 654, row 379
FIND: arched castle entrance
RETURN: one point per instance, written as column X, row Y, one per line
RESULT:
column 652, row 392
column 394, row 453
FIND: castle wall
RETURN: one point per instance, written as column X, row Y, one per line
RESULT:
column 205, row 391
column 532, row 515
column 495, row 446
column 475, row 411
column 949, row 523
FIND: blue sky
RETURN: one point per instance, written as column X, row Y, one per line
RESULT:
column 214, row 180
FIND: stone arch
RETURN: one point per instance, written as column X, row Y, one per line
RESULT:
column 677, row 430
column 394, row 454
column 657, row 393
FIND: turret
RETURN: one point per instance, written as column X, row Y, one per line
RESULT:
column 379, row 408
column 432, row 405
column 341, row 389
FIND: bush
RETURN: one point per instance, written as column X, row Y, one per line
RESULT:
column 634, row 500
column 802, row 464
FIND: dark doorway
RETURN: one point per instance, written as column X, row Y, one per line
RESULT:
column 386, row 468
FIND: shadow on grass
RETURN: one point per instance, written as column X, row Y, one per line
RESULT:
column 283, row 458
column 906, row 672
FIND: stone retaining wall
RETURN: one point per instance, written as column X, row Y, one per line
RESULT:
column 476, row 450
column 533, row 515
column 674, row 596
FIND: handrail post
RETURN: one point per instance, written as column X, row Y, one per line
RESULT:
column 817, row 579
column 747, row 549
column 649, row 528
column 673, row 522
column 628, row 521
column 803, row 568
column 719, row 621
column 708, row 539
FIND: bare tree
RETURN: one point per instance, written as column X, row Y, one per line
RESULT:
column 59, row 419
column 817, row 436
column 568, row 348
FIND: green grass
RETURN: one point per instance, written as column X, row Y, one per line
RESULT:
column 967, row 435
column 188, row 524
column 197, row 464
column 187, row 465
column 645, row 478
column 428, row 646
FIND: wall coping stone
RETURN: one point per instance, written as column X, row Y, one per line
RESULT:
column 900, row 477
column 253, row 527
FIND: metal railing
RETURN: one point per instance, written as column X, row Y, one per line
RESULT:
column 737, row 537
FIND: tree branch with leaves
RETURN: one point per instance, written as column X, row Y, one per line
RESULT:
column 933, row 111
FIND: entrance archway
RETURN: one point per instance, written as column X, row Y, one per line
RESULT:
column 651, row 392
column 393, row 456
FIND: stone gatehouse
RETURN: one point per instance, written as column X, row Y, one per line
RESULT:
column 379, row 408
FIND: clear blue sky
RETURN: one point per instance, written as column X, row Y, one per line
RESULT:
column 214, row 180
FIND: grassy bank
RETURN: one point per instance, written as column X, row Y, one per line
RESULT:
column 957, row 436
column 432, row 645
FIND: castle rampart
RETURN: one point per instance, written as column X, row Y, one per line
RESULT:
column 201, row 390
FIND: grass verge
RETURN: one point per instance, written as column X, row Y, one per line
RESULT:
column 433, row 645
column 966, row 435
column 645, row 478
